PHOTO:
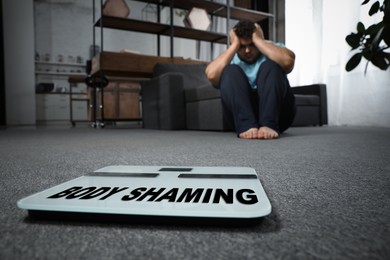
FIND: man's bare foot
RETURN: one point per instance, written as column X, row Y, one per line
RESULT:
column 251, row 133
column 267, row 133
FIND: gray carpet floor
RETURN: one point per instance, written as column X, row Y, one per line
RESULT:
column 329, row 188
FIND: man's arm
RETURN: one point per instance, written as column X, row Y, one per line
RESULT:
column 281, row 55
column 215, row 68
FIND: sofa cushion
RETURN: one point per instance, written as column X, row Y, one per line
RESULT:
column 163, row 105
column 307, row 116
column 205, row 115
column 193, row 74
column 202, row 92
column 307, row 100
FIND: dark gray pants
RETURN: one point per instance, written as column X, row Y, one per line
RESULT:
column 271, row 105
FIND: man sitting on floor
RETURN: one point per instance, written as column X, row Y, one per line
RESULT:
column 252, row 76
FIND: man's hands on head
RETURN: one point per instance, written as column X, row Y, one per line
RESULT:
column 257, row 33
column 234, row 40
column 283, row 56
column 215, row 68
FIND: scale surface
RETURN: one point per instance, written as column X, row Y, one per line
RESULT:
column 156, row 193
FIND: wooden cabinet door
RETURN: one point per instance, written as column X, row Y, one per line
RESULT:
column 119, row 101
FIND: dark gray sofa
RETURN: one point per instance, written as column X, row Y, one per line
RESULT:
column 179, row 96
column 312, row 105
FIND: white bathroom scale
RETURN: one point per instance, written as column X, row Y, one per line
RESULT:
column 219, row 195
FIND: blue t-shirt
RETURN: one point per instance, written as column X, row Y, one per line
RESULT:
column 251, row 70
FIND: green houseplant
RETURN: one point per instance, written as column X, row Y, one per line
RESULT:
column 372, row 42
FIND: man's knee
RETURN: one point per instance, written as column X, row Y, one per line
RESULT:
column 271, row 74
column 232, row 76
column 231, row 70
column 271, row 66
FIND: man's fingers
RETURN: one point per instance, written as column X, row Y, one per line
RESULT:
column 259, row 31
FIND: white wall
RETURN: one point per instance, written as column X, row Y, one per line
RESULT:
column 316, row 31
column 18, row 23
column 363, row 100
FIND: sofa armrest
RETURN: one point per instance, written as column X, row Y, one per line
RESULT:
column 320, row 91
column 163, row 104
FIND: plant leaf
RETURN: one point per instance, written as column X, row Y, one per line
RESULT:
column 386, row 35
column 374, row 8
column 373, row 29
column 387, row 56
column 379, row 60
column 353, row 40
column 367, row 54
column 377, row 39
column 360, row 27
column 353, row 62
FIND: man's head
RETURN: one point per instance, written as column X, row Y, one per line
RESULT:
column 244, row 29
column 247, row 51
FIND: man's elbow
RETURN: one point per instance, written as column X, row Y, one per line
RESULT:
column 289, row 63
column 289, row 66
column 212, row 77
